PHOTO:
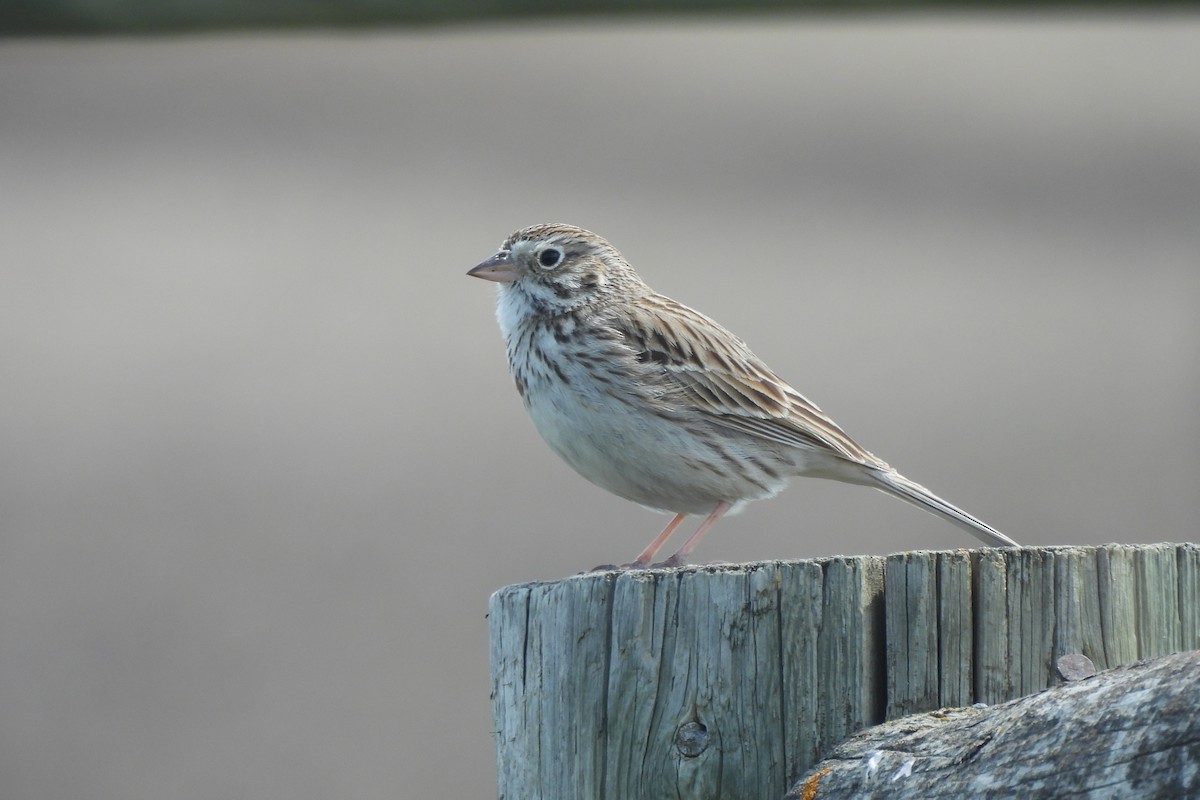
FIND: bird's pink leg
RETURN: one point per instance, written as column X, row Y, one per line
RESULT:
column 652, row 549
column 681, row 554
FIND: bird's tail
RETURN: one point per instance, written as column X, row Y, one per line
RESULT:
column 896, row 484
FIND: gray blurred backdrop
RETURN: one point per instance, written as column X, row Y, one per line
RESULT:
column 262, row 463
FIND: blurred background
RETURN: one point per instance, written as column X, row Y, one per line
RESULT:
column 261, row 462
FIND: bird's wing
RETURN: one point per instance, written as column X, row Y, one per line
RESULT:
column 711, row 368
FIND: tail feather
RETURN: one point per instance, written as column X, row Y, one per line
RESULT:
column 897, row 485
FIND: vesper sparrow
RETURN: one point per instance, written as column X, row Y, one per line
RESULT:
column 658, row 403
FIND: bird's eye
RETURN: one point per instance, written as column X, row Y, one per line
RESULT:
column 550, row 258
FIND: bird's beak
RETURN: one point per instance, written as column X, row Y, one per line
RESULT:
column 498, row 268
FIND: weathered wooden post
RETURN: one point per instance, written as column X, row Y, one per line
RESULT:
column 731, row 681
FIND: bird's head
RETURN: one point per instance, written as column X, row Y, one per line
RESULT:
column 555, row 268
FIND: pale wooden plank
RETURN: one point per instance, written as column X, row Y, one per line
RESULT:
column 1077, row 606
column 638, row 749
column 850, row 648
column 992, row 678
column 801, row 607
column 1157, row 597
column 551, row 678
column 725, row 682
column 1030, row 619
column 955, row 629
column 508, row 616
column 1118, row 605
column 910, row 614
column 566, row 679
column 1188, row 565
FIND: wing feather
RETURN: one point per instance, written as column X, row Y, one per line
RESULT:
column 711, row 368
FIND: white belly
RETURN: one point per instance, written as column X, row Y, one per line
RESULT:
column 639, row 455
